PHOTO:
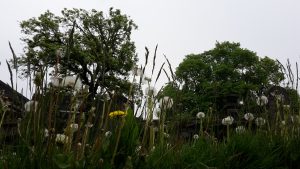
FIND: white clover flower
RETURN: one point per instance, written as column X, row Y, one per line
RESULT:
column 31, row 106
column 249, row 116
column 200, row 115
column 260, row 121
column 166, row 102
column 196, row 137
column 108, row 134
column 228, row 120
column 262, row 100
column 240, row 129
column 283, row 122
column 150, row 91
column 61, row 138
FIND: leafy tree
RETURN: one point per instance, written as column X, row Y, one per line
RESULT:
column 97, row 48
column 227, row 69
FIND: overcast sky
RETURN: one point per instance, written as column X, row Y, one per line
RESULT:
column 268, row 27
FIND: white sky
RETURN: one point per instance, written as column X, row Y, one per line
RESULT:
column 268, row 27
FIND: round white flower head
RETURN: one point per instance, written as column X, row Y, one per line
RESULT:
column 155, row 129
column 61, row 138
column 157, row 112
column 200, row 115
column 137, row 71
column 74, row 127
column 138, row 149
column 279, row 97
column 108, row 134
column 31, row 106
column 286, row 106
column 283, row 122
column 166, row 102
column 260, row 121
column 240, row 129
column 72, row 81
column 241, row 102
column 249, row 116
column 228, row 120
column 153, row 148
column 89, row 125
column 196, row 137
column 262, row 100
column 46, row 133
column 55, row 81
column 296, row 119
column 166, row 135
column 150, row 91
column 147, row 79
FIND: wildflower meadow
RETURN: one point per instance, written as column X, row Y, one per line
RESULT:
column 92, row 105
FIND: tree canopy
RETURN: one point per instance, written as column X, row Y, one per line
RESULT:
column 226, row 69
column 90, row 44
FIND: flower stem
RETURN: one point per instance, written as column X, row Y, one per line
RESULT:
column 117, row 141
column 227, row 132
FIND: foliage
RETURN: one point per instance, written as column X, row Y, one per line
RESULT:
column 96, row 47
column 227, row 69
column 126, row 141
column 243, row 151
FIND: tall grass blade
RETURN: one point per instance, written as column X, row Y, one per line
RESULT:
column 297, row 79
column 154, row 58
column 170, row 67
column 167, row 75
column 11, row 75
column 146, row 61
column 14, row 56
column 290, row 72
column 159, row 72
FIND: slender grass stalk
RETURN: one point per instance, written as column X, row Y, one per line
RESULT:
column 2, row 118
column 201, row 128
column 228, row 134
column 117, row 141
column 148, row 119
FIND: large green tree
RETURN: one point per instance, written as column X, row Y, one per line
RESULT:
column 224, row 70
column 95, row 46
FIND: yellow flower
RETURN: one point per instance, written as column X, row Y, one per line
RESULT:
column 118, row 113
